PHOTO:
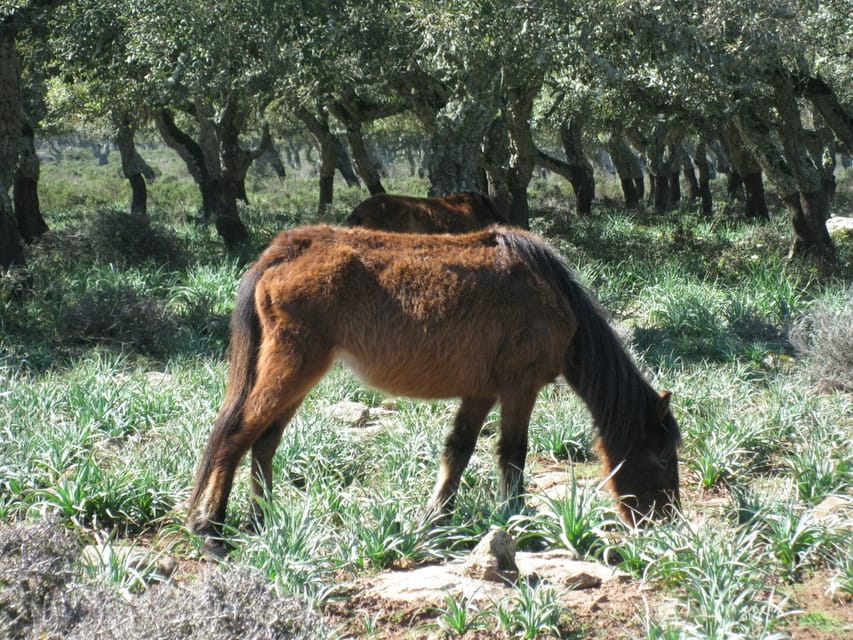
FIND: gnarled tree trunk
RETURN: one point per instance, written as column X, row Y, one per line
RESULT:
column 496, row 157
column 703, row 167
column 794, row 176
column 746, row 173
column 582, row 173
column 628, row 168
column 522, row 157
column 217, row 162
column 353, row 112
column 330, row 149
column 31, row 224
column 133, row 166
column 11, row 119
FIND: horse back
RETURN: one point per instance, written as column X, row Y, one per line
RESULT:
column 416, row 315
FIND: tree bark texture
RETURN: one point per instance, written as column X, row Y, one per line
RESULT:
column 318, row 126
column 11, row 119
column 522, row 157
column 836, row 117
column 457, row 125
column 746, row 173
column 628, row 168
column 365, row 165
column 795, row 185
column 31, row 224
column 582, row 173
column 703, row 168
column 657, row 149
column 810, row 233
column 496, row 157
column 133, row 166
column 689, row 175
column 353, row 112
column 217, row 162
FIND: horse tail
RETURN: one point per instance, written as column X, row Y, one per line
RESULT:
column 243, row 355
column 243, row 347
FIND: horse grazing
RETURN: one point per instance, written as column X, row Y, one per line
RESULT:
column 456, row 213
column 487, row 317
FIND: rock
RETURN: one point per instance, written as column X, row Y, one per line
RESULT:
column 579, row 583
column 158, row 378
column 839, row 227
column 493, row 558
column 833, row 508
column 354, row 414
column 389, row 404
column 561, row 567
column 429, row 585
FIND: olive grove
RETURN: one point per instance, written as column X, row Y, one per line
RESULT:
column 495, row 87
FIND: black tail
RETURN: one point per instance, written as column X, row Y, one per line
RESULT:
column 243, row 349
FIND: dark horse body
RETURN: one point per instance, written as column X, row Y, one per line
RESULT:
column 487, row 317
column 455, row 213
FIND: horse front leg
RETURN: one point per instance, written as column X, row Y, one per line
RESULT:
column 458, row 447
column 512, row 447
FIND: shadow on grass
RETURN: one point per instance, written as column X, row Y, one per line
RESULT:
column 105, row 283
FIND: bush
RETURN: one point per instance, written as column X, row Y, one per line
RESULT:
column 114, row 237
column 42, row 596
column 123, row 317
column 825, row 338
column 220, row 605
column 35, row 571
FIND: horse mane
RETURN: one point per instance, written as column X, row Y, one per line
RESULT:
column 597, row 365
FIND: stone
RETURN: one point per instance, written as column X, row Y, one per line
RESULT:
column 354, row 414
column 840, row 227
column 563, row 568
column 493, row 558
column 135, row 558
column 835, row 507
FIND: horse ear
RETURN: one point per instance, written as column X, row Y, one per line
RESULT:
column 663, row 404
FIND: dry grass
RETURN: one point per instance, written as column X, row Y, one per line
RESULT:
column 43, row 595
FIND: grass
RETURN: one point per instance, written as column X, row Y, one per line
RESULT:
column 112, row 368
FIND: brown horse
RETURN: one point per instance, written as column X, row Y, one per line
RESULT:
column 456, row 213
column 487, row 317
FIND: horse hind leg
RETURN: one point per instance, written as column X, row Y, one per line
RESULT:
column 263, row 452
column 285, row 373
column 512, row 447
column 458, row 447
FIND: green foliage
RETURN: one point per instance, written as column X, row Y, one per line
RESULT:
column 460, row 615
column 577, row 521
column 529, row 612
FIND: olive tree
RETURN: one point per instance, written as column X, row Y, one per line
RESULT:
column 212, row 72
column 16, row 18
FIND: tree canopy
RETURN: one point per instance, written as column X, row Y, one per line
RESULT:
column 484, row 79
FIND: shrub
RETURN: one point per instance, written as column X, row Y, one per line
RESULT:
column 41, row 596
column 113, row 236
column 35, row 571
column 825, row 338
column 122, row 317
